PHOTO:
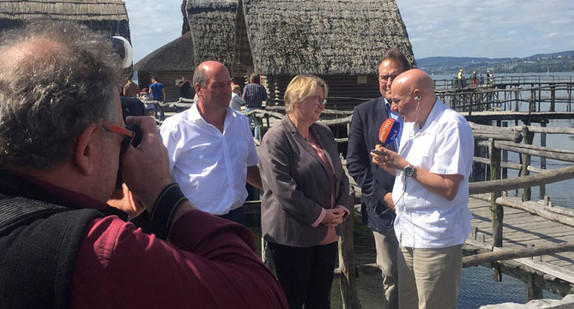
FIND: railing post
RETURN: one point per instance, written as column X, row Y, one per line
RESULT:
column 527, row 137
column 553, row 98
column 349, row 297
column 532, row 105
column 543, row 124
column 497, row 212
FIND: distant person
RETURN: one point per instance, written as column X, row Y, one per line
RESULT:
column 185, row 88
column 306, row 196
column 480, row 79
column 430, row 194
column 62, row 245
column 236, row 100
column 254, row 94
column 130, row 89
column 157, row 93
column 211, row 150
column 489, row 78
column 460, row 79
column 474, row 79
column 377, row 208
column 156, row 90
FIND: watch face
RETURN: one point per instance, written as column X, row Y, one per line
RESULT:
column 409, row 170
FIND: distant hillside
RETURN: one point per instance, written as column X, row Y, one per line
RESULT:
column 539, row 63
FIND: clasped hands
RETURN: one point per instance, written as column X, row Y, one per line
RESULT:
column 333, row 217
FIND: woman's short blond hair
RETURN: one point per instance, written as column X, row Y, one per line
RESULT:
column 302, row 87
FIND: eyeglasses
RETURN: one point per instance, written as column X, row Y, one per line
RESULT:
column 318, row 100
column 385, row 78
column 127, row 135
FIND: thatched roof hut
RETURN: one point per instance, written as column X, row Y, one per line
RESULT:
column 341, row 41
column 107, row 16
column 168, row 63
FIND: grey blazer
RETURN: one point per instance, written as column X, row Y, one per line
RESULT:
column 296, row 184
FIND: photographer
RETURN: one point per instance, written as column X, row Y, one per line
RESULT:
column 60, row 244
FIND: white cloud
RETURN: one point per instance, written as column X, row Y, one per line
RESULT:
column 153, row 24
column 489, row 28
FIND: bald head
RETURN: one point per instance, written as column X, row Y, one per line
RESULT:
column 412, row 95
column 212, row 85
column 412, row 80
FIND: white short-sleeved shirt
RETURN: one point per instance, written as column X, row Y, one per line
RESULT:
column 445, row 146
column 210, row 166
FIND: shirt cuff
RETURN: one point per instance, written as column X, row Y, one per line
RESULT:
column 321, row 217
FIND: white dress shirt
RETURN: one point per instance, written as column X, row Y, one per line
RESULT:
column 210, row 166
column 444, row 146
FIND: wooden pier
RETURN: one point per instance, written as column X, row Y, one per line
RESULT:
column 519, row 236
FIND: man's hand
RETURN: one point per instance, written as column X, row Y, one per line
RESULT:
column 145, row 169
column 387, row 200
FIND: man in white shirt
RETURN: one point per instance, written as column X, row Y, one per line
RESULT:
column 430, row 194
column 210, row 146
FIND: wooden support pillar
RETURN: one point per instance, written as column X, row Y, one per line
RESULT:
column 504, row 156
column 516, row 101
column 527, row 137
column 532, row 290
column 349, row 296
column 543, row 124
column 497, row 212
column 532, row 103
column 553, row 98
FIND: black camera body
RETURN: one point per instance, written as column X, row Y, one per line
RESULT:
column 134, row 127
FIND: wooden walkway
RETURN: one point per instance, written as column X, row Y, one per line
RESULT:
column 520, row 230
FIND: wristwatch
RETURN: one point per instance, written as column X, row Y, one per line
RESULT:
column 409, row 170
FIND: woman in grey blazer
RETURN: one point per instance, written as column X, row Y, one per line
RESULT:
column 306, row 194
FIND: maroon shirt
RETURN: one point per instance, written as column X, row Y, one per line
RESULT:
column 209, row 263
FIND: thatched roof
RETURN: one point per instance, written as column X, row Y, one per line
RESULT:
column 108, row 16
column 288, row 37
column 212, row 25
column 176, row 55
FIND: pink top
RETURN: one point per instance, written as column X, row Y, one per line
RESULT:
column 331, row 233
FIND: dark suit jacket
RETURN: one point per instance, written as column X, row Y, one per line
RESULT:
column 296, row 184
column 374, row 181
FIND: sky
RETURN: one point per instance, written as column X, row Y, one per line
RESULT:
column 457, row 28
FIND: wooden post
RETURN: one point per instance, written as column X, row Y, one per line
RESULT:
column 532, row 105
column 569, row 107
column 505, row 156
column 349, row 296
column 532, row 290
column 497, row 212
column 527, row 137
column 553, row 98
column 543, row 124
column 516, row 102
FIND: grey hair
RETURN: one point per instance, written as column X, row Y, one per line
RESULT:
column 199, row 76
column 48, row 99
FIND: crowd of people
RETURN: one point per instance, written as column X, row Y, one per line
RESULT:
column 477, row 79
column 101, row 208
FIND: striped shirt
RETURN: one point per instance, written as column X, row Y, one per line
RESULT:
column 254, row 95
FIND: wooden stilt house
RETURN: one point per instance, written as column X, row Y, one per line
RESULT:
column 340, row 41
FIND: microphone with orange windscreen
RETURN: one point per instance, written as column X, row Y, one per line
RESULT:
column 388, row 132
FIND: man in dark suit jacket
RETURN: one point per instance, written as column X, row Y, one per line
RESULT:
column 377, row 207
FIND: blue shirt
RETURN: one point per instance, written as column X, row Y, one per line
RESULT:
column 156, row 91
